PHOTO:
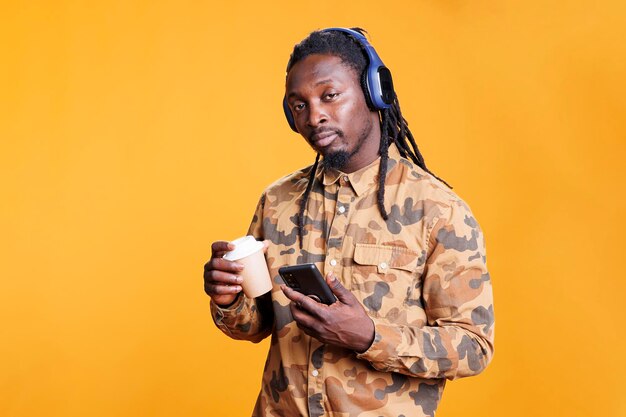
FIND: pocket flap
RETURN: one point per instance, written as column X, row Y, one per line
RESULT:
column 385, row 257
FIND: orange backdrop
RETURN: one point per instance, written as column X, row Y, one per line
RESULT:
column 134, row 133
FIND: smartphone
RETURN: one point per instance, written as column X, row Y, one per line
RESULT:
column 308, row 280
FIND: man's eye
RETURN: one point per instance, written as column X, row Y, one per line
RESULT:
column 331, row 96
column 298, row 106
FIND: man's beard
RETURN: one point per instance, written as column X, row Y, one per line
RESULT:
column 339, row 159
column 336, row 160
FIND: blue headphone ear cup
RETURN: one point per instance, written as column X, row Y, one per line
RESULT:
column 289, row 115
column 380, row 86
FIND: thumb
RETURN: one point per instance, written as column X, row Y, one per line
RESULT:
column 342, row 294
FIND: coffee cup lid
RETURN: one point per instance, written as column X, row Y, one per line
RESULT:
column 244, row 246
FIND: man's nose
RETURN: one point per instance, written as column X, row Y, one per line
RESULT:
column 317, row 115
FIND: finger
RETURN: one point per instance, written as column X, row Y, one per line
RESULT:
column 303, row 302
column 266, row 244
column 221, row 278
column 219, row 254
column 217, row 289
column 221, row 246
column 310, row 332
column 221, row 264
column 342, row 294
column 293, row 295
column 302, row 322
column 303, row 318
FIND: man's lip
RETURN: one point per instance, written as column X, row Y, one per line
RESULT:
column 323, row 139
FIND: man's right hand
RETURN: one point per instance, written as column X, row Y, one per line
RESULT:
column 222, row 281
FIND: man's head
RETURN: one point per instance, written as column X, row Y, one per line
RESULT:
column 326, row 97
column 326, row 100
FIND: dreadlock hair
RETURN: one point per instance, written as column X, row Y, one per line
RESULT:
column 394, row 127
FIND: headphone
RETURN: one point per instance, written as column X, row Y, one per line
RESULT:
column 378, row 83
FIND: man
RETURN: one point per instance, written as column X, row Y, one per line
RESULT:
column 401, row 252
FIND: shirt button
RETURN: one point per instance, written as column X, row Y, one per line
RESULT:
column 345, row 178
column 315, row 372
column 383, row 265
column 342, row 209
column 333, row 262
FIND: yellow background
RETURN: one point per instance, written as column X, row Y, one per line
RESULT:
column 135, row 133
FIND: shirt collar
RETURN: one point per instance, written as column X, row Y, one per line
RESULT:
column 364, row 178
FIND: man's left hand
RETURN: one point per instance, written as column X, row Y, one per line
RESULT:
column 343, row 323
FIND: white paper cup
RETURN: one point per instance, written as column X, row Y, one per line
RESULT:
column 256, row 278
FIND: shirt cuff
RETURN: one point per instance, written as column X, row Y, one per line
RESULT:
column 384, row 348
column 232, row 310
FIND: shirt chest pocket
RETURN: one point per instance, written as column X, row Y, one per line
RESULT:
column 384, row 277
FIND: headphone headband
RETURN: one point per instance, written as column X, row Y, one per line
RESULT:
column 379, row 84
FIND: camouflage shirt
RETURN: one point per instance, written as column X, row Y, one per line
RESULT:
column 420, row 275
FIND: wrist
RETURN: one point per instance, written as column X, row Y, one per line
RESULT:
column 228, row 305
column 368, row 337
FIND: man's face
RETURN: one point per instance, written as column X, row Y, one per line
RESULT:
column 330, row 112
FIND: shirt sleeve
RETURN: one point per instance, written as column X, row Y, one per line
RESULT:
column 457, row 340
column 246, row 319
